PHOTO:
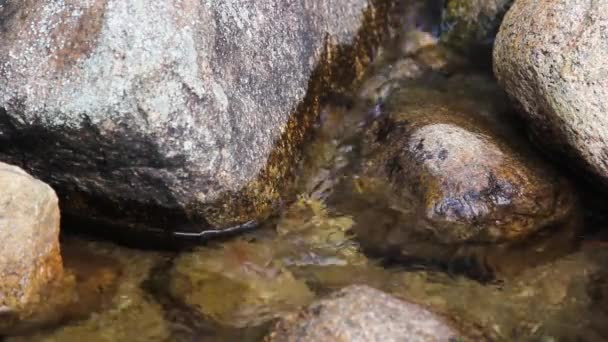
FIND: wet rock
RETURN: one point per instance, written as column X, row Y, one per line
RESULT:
column 309, row 234
column 110, row 303
column 361, row 313
column 549, row 58
column 470, row 25
column 447, row 177
column 258, row 277
column 239, row 284
column 549, row 300
column 160, row 115
column 30, row 260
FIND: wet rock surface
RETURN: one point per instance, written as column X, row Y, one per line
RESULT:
column 552, row 302
column 249, row 282
column 240, row 285
column 548, row 57
column 30, row 260
column 106, row 301
column 463, row 173
column 362, row 313
column 450, row 179
column 159, row 115
column 469, row 25
column 233, row 289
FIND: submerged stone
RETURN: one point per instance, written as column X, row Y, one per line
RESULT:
column 310, row 235
column 109, row 302
column 557, row 299
column 240, row 284
column 362, row 313
column 438, row 177
column 243, row 283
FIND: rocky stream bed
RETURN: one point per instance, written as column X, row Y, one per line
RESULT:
column 405, row 200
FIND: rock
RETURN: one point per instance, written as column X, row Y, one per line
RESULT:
column 549, row 57
column 439, row 178
column 30, row 260
column 309, row 234
column 113, row 302
column 361, row 313
column 471, row 25
column 247, row 282
column 531, row 304
column 240, row 284
column 178, row 116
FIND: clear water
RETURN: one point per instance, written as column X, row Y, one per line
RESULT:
column 234, row 289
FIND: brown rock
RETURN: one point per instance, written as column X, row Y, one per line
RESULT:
column 29, row 231
column 240, row 284
column 361, row 313
column 445, row 175
column 550, row 58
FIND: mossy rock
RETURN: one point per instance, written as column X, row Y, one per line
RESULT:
column 470, row 24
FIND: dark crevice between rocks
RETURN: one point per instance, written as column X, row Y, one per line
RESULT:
column 53, row 156
column 474, row 39
column 568, row 162
column 491, row 263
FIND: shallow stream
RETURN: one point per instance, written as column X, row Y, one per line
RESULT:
column 549, row 289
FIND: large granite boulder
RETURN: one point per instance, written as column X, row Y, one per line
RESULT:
column 550, row 58
column 362, row 313
column 30, row 261
column 166, row 113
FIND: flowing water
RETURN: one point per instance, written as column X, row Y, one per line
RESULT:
column 233, row 289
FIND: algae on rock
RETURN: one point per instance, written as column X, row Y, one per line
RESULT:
column 470, row 24
column 241, row 284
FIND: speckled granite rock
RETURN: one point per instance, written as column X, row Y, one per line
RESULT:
column 361, row 313
column 550, row 58
column 156, row 114
column 29, row 233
